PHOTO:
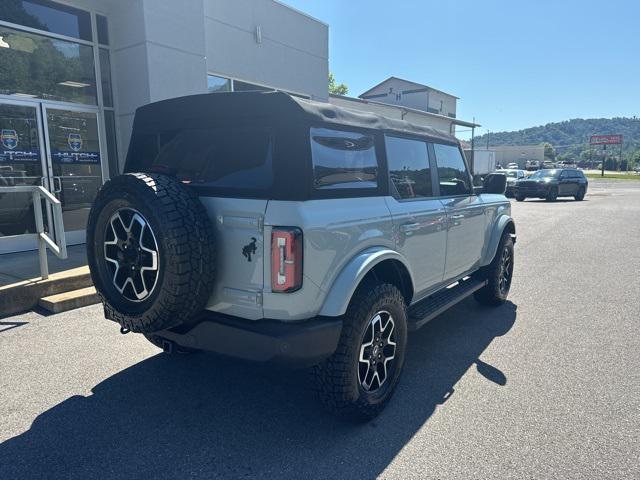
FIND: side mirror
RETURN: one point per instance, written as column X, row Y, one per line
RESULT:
column 495, row 183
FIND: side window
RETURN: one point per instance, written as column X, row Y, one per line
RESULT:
column 409, row 170
column 343, row 159
column 452, row 171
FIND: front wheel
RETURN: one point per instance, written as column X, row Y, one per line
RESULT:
column 520, row 197
column 552, row 196
column 358, row 380
column 498, row 274
column 580, row 195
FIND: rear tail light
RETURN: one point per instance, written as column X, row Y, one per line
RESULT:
column 286, row 259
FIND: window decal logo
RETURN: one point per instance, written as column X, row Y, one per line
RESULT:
column 75, row 141
column 9, row 138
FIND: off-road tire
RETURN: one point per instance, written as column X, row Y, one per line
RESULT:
column 552, row 195
column 159, row 342
column 520, row 197
column 335, row 381
column 580, row 195
column 186, row 251
column 491, row 294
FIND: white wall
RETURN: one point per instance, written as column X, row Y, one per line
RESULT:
column 443, row 103
column 292, row 55
column 396, row 91
column 393, row 90
column 390, row 111
column 519, row 154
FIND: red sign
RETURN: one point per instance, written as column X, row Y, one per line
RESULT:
column 605, row 139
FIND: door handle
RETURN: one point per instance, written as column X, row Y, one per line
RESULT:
column 458, row 216
column 409, row 227
column 57, row 189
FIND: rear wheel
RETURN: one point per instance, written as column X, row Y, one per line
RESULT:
column 498, row 274
column 358, row 380
column 520, row 197
column 580, row 195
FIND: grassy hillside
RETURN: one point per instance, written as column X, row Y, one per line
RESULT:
column 570, row 138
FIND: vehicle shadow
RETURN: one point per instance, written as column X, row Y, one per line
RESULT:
column 203, row 416
column 558, row 200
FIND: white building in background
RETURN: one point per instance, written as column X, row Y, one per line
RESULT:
column 520, row 154
column 406, row 100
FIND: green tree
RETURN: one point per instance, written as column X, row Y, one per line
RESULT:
column 549, row 151
column 337, row 89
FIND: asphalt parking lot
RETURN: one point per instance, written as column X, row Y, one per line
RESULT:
column 546, row 386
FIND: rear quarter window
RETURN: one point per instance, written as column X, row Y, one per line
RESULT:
column 343, row 160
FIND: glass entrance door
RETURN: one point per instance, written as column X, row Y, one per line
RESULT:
column 21, row 163
column 57, row 147
column 74, row 164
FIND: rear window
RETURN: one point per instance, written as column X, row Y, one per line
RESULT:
column 221, row 158
column 343, row 159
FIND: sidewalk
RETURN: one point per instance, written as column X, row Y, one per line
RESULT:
column 17, row 267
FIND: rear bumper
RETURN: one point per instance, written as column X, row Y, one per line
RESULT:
column 532, row 191
column 295, row 345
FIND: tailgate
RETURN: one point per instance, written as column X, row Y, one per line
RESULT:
column 239, row 235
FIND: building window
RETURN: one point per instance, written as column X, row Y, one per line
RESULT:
column 218, row 84
column 112, row 145
column 48, row 16
column 239, row 86
column 47, row 68
column 103, row 29
column 105, row 74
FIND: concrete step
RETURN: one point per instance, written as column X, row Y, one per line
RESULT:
column 62, row 302
column 22, row 296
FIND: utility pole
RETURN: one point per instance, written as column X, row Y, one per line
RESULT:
column 627, row 166
column 488, row 134
column 604, row 160
column 473, row 129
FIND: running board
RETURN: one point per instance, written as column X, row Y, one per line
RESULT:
column 432, row 306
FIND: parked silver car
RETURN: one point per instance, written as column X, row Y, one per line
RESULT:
column 273, row 228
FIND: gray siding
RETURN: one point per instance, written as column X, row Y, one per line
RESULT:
column 163, row 49
column 292, row 54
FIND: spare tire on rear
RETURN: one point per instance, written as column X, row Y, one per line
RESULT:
column 151, row 252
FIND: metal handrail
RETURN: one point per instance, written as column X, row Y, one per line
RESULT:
column 44, row 240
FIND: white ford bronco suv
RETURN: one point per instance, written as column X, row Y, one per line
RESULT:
column 274, row 228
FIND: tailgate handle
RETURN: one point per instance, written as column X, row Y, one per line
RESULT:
column 241, row 222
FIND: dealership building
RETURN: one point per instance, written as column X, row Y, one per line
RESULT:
column 73, row 72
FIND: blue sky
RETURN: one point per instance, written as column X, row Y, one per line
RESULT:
column 514, row 64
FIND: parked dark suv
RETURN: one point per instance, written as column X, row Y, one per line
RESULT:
column 551, row 184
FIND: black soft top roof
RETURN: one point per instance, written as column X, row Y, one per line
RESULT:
column 265, row 109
